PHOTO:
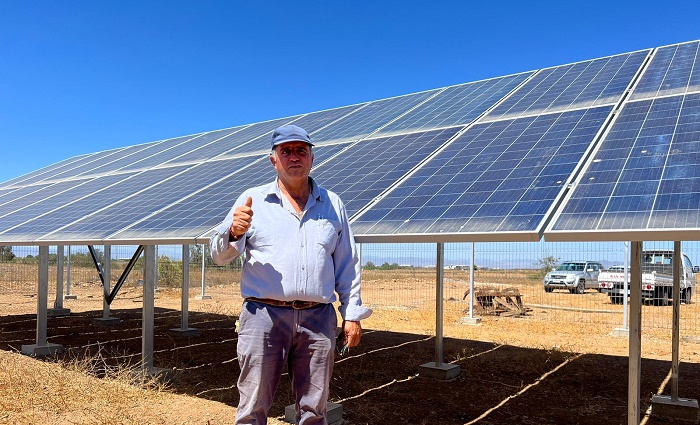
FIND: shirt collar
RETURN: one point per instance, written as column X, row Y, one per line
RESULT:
column 274, row 189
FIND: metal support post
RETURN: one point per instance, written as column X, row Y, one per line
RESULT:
column 471, row 320
column 203, row 295
column 42, row 347
column 625, row 330
column 675, row 338
column 438, row 369
column 147, row 332
column 106, row 290
column 58, row 309
column 68, row 295
column 107, row 283
column 674, row 406
column 439, row 282
column 635, row 339
column 184, row 329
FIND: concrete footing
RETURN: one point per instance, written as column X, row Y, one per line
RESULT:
column 202, row 297
column 683, row 408
column 470, row 320
column 620, row 332
column 444, row 372
column 42, row 350
column 106, row 321
column 184, row 332
column 70, row 297
column 57, row 312
column 334, row 414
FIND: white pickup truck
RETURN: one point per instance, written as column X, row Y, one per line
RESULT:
column 657, row 279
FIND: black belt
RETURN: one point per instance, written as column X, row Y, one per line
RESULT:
column 296, row 304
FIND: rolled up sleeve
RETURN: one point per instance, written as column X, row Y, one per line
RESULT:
column 348, row 275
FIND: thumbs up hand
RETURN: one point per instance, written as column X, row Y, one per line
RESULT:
column 242, row 217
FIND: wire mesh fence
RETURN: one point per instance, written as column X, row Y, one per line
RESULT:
column 395, row 277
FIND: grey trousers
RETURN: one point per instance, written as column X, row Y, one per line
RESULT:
column 270, row 337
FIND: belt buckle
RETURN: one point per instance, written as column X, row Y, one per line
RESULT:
column 300, row 305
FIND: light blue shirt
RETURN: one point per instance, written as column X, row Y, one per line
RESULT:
column 288, row 257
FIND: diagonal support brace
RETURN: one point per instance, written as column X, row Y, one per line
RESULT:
column 124, row 274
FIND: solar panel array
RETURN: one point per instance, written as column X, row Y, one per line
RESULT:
column 485, row 160
column 644, row 178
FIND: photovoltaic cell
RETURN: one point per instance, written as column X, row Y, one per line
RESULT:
column 364, row 170
column 369, row 118
column 456, row 105
column 579, row 85
column 673, row 70
column 645, row 174
column 200, row 212
column 501, row 176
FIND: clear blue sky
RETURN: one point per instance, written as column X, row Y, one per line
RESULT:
column 85, row 76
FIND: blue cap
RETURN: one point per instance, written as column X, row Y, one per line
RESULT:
column 290, row 133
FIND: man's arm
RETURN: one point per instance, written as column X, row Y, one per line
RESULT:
column 228, row 240
column 348, row 278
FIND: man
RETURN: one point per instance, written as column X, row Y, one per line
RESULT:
column 299, row 250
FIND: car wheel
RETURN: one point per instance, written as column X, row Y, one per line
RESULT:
column 581, row 287
column 548, row 289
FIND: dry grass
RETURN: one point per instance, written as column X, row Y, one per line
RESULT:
column 88, row 391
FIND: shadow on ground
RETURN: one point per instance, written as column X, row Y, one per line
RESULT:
column 379, row 382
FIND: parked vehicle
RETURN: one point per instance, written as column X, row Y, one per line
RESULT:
column 575, row 276
column 657, row 279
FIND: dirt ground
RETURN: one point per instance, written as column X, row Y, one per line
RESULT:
column 513, row 370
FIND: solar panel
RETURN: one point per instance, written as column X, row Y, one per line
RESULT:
column 456, row 105
column 42, row 223
column 500, row 176
column 54, row 200
column 203, row 210
column 673, row 70
column 134, row 156
column 483, row 161
column 28, row 195
column 11, row 194
column 123, row 212
column 238, row 141
column 366, row 169
column 172, row 154
column 19, row 181
column 68, row 168
column 579, row 85
column 645, row 175
column 369, row 118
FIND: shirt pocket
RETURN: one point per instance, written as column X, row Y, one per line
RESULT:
column 326, row 236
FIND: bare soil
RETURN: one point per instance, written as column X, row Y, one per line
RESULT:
column 514, row 370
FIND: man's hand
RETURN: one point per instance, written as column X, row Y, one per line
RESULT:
column 352, row 332
column 242, row 218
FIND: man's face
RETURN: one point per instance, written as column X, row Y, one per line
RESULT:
column 292, row 160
